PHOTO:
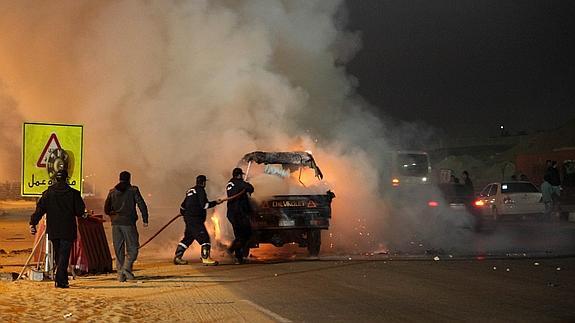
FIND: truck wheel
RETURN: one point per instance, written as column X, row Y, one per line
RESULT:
column 313, row 242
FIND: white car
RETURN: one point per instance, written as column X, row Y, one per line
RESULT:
column 501, row 199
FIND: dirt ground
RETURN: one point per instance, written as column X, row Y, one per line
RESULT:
column 163, row 292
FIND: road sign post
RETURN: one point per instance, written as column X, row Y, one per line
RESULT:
column 39, row 141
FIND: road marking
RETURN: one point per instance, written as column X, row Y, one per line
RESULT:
column 264, row 310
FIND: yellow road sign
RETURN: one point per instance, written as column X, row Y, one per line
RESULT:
column 39, row 141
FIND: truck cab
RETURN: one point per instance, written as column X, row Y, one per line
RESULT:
column 405, row 168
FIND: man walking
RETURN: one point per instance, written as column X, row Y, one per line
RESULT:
column 238, row 214
column 61, row 204
column 468, row 185
column 193, row 209
column 555, row 181
column 549, row 196
column 120, row 205
column 553, row 173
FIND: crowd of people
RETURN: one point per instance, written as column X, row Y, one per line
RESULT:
column 62, row 204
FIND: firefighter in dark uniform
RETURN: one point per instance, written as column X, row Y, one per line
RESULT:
column 239, row 210
column 193, row 209
column 61, row 204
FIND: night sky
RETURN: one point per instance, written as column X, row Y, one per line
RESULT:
column 467, row 66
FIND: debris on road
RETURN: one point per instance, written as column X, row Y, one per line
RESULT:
column 8, row 276
column 435, row 252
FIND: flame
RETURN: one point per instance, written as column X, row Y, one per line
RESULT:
column 307, row 177
column 217, row 230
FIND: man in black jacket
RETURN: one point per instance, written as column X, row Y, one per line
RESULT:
column 120, row 205
column 468, row 186
column 61, row 204
column 193, row 209
column 239, row 210
column 553, row 173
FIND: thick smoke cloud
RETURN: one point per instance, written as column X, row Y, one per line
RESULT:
column 9, row 142
column 171, row 89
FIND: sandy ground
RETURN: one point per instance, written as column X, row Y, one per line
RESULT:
column 163, row 292
column 15, row 241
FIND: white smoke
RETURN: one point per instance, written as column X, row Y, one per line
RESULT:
column 171, row 89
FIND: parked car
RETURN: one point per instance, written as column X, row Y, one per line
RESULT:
column 502, row 199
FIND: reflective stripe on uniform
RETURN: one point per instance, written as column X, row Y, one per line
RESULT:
column 183, row 245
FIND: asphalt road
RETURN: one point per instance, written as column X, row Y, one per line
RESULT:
column 520, row 270
column 518, row 237
column 403, row 290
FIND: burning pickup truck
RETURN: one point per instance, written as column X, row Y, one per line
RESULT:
column 291, row 203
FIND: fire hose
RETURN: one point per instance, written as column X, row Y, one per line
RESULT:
column 179, row 215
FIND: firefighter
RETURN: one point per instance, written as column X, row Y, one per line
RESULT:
column 238, row 214
column 193, row 209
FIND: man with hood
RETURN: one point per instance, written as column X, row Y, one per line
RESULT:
column 193, row 209
column 61, row 204
column 120, row 205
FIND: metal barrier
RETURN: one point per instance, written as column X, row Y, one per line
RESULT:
column 93, row 246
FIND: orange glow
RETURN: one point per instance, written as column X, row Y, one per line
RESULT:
column 479, row 203
column 433, row 204
column 307, row 177
column 217, row 229
column 395, row 182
